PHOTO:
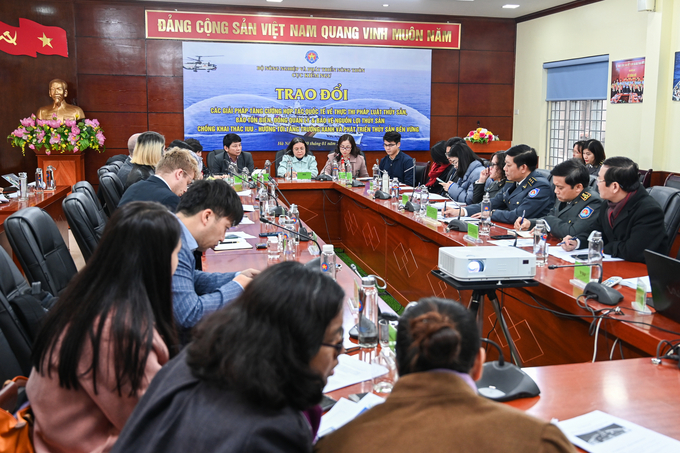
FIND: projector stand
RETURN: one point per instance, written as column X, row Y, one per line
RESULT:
column 488, row 288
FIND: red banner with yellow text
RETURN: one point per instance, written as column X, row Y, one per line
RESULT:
column 300, row 30
column 30, row 38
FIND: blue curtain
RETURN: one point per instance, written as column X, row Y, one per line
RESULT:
column 578, row 80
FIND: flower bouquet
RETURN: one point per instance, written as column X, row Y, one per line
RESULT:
column 58, row 135
column 481, row 135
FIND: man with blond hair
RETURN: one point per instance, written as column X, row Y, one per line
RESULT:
column 176, row 169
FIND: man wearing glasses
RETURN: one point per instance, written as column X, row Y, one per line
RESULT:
column 174, row 172
column 397, row 164
column 632, row 220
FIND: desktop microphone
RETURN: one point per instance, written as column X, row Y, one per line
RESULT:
column 596, row 290
column 379, row 194
column 410, row 205
column 279, row 210
column 503, row 381
column 314, row 263
column 456, row 224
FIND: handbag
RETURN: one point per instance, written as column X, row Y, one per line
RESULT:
column 16, row 431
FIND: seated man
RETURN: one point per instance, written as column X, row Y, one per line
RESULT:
column 576, row 209
column 526, row 194
column 233, row 154
column 397, row 164
column 632, row 221
column 206, row 211
column 176, row 169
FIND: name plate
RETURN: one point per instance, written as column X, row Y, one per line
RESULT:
column 304, row 175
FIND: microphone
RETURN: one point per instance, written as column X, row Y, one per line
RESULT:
column 279, row 210
column 316, row 261
column 379, row 194
column 596, row 290
column 410, row 206
column 457, row 224
column 503, row 381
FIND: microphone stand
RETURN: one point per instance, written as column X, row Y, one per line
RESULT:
column 410, row 206
column 558, row 266
column 503, row 381
column 316, row 262
column 596, row 290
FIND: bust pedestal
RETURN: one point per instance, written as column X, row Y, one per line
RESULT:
column 69, row 168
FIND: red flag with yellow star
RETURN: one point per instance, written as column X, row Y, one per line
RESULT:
column 30, row 38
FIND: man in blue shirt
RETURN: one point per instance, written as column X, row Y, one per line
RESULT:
column 206, row 211
column 398, row 165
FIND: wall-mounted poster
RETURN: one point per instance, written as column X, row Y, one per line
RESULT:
column 628, row 81
column 676, row 78
column 269, row 94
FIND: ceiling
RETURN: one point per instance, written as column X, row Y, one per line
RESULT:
column 480, row 8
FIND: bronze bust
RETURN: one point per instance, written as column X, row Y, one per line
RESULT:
column 60, row 108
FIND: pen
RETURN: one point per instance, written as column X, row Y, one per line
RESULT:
column 522, row 221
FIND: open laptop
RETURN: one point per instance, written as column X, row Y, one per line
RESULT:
column 664, row 276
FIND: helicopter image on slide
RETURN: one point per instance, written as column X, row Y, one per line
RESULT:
column 198, row 65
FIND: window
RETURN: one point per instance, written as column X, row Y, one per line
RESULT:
column 571, row 121
column 576, row 96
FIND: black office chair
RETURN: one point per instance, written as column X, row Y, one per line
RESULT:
column 41, row 250
column 112, row 189
column 277, row 161
column 422, row 170
column 86, row 224
column 672, row 180
column 645, row 177
column 107, row 168
column 86, row 188
column 669, row 200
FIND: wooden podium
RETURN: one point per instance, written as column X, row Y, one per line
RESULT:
column 485, row 150
column 69, row 168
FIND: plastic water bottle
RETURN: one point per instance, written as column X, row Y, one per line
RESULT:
column 376, row 170
column 485, row 220
column 541, row 243
column 394, row 191
column 385, row 184
column 328, row 261
column 424, row 200
column 294, row 214
column 50, row 180
column 39, row 183
column 23, row 186
column 262, row 195
column 368, row 313
column 595, row 248
column 335, row 171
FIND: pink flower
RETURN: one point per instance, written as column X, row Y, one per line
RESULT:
column 54, row 123
column 88, row 123
column 100, row 138
column 69, row 122
column 26, row 122
column 482, row 134
column 40, row 136
column 75, row 149
column 41, row 122
column 54, row 139
column 31, row 146
column 75, row 130
column 95, row 123
column 72, row 139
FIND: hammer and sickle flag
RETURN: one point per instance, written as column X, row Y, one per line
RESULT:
column 31, row 38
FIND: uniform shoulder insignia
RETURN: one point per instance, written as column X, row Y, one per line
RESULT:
column 585, row 212
column 585, row 196
column 531, row 181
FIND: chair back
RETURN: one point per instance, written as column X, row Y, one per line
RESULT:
column 669, row 200
column 112, row 189
column 214, row 161
column 422, row 169
column 42, row 252
column 107, row 168
column 86, row 224
column 672, row 180
column 86, row 188
column 645, row 177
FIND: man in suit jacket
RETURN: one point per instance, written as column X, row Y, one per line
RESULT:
column 632, row 221
column 233, row 153
column 577, row 207
column 526, row 193
column 176, row 169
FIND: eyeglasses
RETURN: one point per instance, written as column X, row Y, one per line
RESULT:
column 493, row 165
column 346, row 148
column 339, row 347
column 389, row 145
column 599, row 180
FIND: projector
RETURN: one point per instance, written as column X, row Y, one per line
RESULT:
column 487, row 263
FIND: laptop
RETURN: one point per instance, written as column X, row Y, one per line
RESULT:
column 664, row 276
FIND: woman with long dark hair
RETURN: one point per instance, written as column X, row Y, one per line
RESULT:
column 298, row 158
column 435, row 406
column 593, row 155
column 108, row 335
column 440, row 167
column 491, row 179
column 460, row 185
column 253, row 377
column 347, row 150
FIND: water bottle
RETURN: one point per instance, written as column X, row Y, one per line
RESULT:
column 385, row 184
column 541, row 243
column 50, row 181
column 262, row 195
column 23, row 186
column 289, row 174
column 485, row 220
column 295, row 217
column 595, row 247
column 335, row 171
column 424, row 200
column 376, row 170
column 39, row 183
column 368, row 313
column 394, row 191
column 328, row 261
column 245, row 176
column 348, row 173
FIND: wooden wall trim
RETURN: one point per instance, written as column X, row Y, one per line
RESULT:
column 555, row 10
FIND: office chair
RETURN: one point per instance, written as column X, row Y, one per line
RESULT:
column 672, row 180
column 669, row 200
column 112, row 189
column 86, row 224
column 645, row 177
column 86, row 188
column 42, row 252
column 422, row 170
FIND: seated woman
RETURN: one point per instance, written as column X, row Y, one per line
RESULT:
column 147, row 153
column 108, row 335
column 491, row 179
column 593, row 155
column 440, row 167
column 298, row 157
column 460, row 185
column 434, row 406
column 252, row 379
column 577, row 150
column 347, row 149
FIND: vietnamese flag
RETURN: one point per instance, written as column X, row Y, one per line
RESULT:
column 30, row 38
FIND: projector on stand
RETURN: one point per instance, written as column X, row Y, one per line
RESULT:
column 487, row 263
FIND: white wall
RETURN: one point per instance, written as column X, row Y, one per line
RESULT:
column 644, row 132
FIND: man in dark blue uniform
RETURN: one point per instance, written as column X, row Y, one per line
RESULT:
column 526, row 194
column 397, row 164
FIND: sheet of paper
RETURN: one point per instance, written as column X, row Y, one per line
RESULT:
column 3, row 199
column 511, row 242
column 448, row 219
column 559, row 252
column 348, row 372
column 345, row 411
column 437, row 197
column 234, row 244
column 248, row 208
column 632, row 282
column 599, row 432
column 244, row 193
column 522, row 234
column 246, row 221
column 238, row 235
